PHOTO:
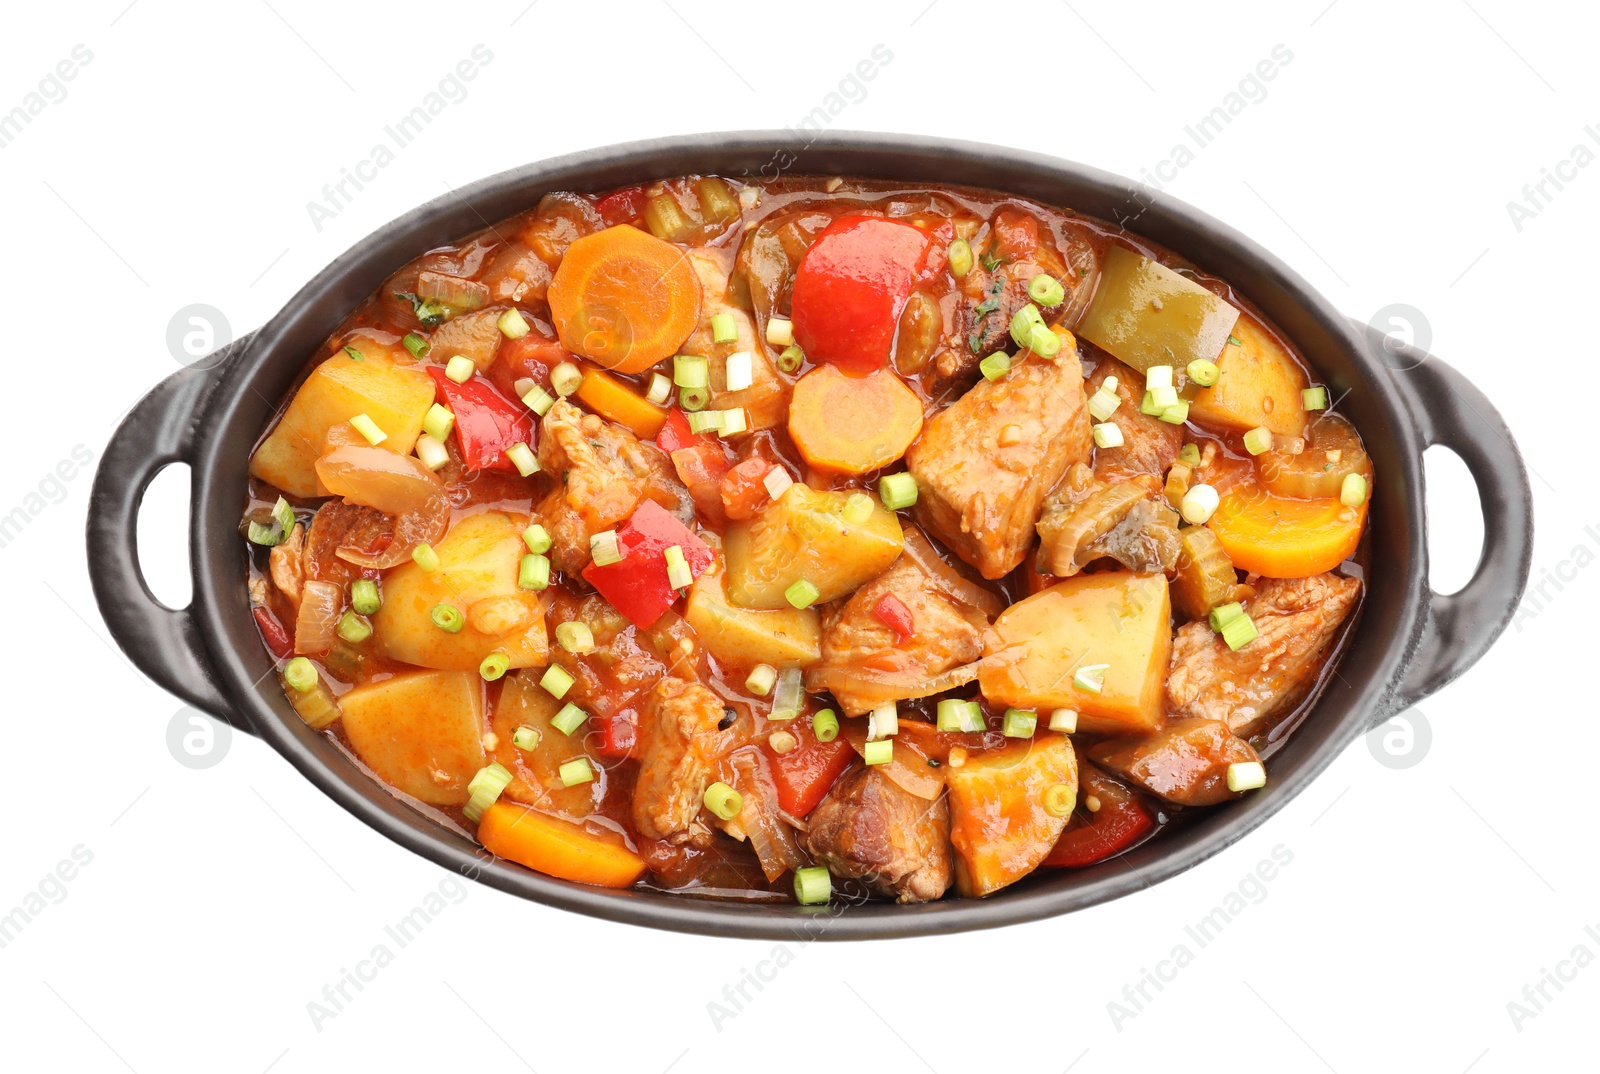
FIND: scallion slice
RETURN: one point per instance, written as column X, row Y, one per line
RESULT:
column 447, row 617
column 1314, row 398
column 1103, row 404
column 975, row 721
column 1203, row 372
column 1258, row 440
column 512, row 324
column 813, row 885
column 425, row 558
column 740, row 368
column 1023, row 322
column 802, row 594
column 1189, row 454
column 438, row 422
column 576, row 638
column 1060, row 799
column 493, row 666
column 883, row 721
column 960, row 258
column 690, row 371
column 1064, row 720
column 778, row 481
column 857, row 508
column 1246, row 776
column 1199, row 504
column 1164, row 397
column 569, row 719
column 576, row 771
column 1046, row 290
column 566, row 378
column 734, row 422
column 692, row 400
column 538, row 400
column 353, row 628
column 533, row 572
column 1223, row 614
column 537, row 538
column 761, row 680
column 1148, row 406
column 416, row 344
column 783, row 742
column 951, row 715
column 1107, row 434
column 301, row 674
column 483, row 790
column 364, row 596
column 1019, row 723
column 791, row 359
column 678, row 573
column 1043, row 342
column 789, row 696
column 723, row 800
column 995, row 366
column 1091, row 678
column 522, row 457
column 460, row 368
column 780, row 331
column 1353, row 490
column 369, row 430
column 660, row 389
column 724, row 329
column 1176, row 414
column 825, row 725
column 269, row 534
column 897, row 491
column 556, row 681
column 605, row 549
column 706, row 421
column 432, row 453
column 525, row 738
column 1239, row 632
column 878, row 751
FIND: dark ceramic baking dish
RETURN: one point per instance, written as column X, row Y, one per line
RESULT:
column 1410, row 640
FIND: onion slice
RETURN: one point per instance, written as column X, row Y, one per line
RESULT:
column 873, row 688
column 399, row 486
column 965, row 592
column 318, row 618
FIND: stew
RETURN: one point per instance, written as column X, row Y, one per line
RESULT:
column 781, row 541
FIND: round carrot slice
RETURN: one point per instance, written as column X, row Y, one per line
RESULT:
column 1279, row 537
column 853, row 425
column 624, row 298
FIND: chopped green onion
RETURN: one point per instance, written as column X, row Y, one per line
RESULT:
column 790, row 695
column 576, row 771
column 1023, row 322
column 778, row 481
column 857, row 508
column 369, row 429
column 604, row 548
column 1176, row 414
column 1060, row 799
column 733, row 422
column 525, row 738
column 576, row 638
column 782, row 742
column 879, row 751
column 1199, row 504
column 355, row 355
column 1019, row 723
column 460, row 368
column 825, row 725
column 791, row 359
column 1239, row 632
column 521, row 456
column 1314, row 398
column 1107, row 434
column 1246, row 776
column 883, row 721
column 538, row 400
column 1353, row 490
column 740, row 371
column 802, row 594
column 1258, row 440
column 812, row 885
column 493, row 666
column 1043, row 342
column 706, row 421
column 1164, row 397
column 364, row 596
column 569, row 719
column 425, row 557
column 678, row 574
column 447, row 617
column 483, row 790
column 960, row 258
column 660, row 389
column 432, row 453
column 1203, row 372
column 1147, row 405
column 1046, row 290
column 512, row 324
column 995, row 366
column 1223, row 614
column 354, row 629
column 301, row 674
column 761, row 680
column 951, row 715
column 724, row 329
column 556, row 681
column 282, row 524
column 1158, row 376
column 566, row 378
column 1234, row 341
column 537, row 538
column 416, row 344
column 723, row 800
column 690, row 371
column 533, row 572
column 1190, row 455
column 438, row 422
column 976, row 721
column 780, row 331
column 897, row 491
column 1064, row 720
column 1103, row 404
column 1091, row 677
column 693, row 399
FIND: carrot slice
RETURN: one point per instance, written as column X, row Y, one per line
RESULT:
column 624, row 298
column 610, row 398
column 851, row 424
column 556, row 847
column 1279, row 537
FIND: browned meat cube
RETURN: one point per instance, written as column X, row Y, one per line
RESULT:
column 869, row 829
column 855, row 640
column 985, row 463
column 1295, row 618
column 678, row 748
column 1149, row 445
column 1186, row 762
column 602, row 472
column 1086, row 519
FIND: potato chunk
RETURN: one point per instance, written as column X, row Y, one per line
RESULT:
column 421, row 732
column 394, row 395
column 1000, row 823
column 477, row 574
column 1259, row 384
column 1034, row 651
column 743, row 637
column 805, row 535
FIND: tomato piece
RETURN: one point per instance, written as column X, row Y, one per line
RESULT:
column 532, row 356
column 743, row 490
column 622, row 206
column 273, row 633
column 851, row 287
column 701, row 468
column 805, row 774
column 1121, row 821
column 892, row 612
column 486, row 421
column 675, row 434
column 638, row 586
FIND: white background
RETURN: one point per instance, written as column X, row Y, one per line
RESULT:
column 219, row 902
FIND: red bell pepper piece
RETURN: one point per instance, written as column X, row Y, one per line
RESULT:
column 621, row 206
column 893, row 613
column 273, row 633
column 638, row 586
column 851, row 287
column 1121, row 821
column 486, row 422
column 617, row 734
column 805, row 774
column 675, row 434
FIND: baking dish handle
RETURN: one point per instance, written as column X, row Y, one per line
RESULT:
column 1451, row 412
column 162, row 642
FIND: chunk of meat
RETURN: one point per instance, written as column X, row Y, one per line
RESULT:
column 868, row 829
column 1295, row 618
column 856, row 639
column 1010, row 251
column 603, row 472
column 1149, row 445
column 286, row 565
column 1186, row 762
column 678, row 747
column 984, row 464
column 341, row 524
column 1086, row 519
